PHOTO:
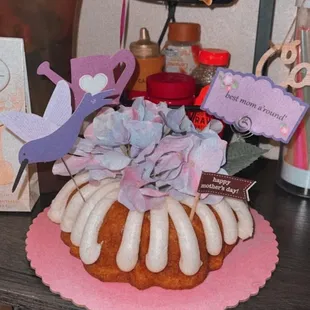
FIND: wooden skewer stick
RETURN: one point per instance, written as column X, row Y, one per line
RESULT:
column 194, row 207
column 71, row 176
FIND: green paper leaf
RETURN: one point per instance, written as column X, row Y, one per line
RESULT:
column 235, row 85
column 241, row 155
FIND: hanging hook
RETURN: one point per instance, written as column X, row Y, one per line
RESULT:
column 172, row 5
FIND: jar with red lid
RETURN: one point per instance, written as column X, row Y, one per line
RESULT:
column 172, row 88
column 209, row 60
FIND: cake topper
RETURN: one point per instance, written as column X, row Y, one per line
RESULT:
column 52, row 136
column 228, row 186
column 89, row 71
column 254, row 104
column 155, row 151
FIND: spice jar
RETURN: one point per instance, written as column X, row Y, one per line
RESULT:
column 209, row 60
column 182, row 47
column 148, row 61
column 172, row 88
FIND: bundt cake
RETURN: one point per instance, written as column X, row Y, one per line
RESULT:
column 161, row 247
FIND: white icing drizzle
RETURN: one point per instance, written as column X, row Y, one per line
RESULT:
column 58, row 205
column 75, row 204
column 190, row 255
column 85, row 219
column 245, row 220
column 78, row 226
column 229, row 222
column 210, row 225
column 127, row 255
column 89, row 248
column 157, row 256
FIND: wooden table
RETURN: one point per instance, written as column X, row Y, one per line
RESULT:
column 288, row 288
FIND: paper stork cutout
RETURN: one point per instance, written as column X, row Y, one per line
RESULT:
column 92, row 66
column 50, row 137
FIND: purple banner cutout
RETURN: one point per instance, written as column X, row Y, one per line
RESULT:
column 254, row 103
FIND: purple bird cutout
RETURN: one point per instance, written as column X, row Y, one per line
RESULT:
column 52, row 136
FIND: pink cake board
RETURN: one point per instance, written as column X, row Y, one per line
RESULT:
column 244, row 272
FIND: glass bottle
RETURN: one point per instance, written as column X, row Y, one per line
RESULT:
column 149, row 61
column 294, row 161
column 182, row 48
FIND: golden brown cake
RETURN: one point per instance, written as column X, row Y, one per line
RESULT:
column 161, row 247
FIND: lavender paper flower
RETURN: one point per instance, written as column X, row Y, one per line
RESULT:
column 134, row 192
column 132, row 144
column 187, row 156
column 178, row 121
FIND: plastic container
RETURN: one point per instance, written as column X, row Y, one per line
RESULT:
column 182, row 48
column 172, row 88
column 209, row 61
column 294, row 161
column 149, row 61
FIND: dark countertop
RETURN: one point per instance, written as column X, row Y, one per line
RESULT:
column 288, row 288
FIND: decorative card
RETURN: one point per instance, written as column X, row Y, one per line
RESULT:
column 14, row 96
column 254, row 104
column 225, row 185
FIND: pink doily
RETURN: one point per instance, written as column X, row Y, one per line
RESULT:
column 244, row 272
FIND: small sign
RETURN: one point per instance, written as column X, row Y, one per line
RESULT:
column 254, row 104
column 225, row 185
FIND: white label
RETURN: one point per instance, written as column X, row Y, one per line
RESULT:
column 295, row 176
column 180, row 59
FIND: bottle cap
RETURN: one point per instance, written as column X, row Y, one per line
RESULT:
column 214, row 57
column 170, row 85
column 184, row 32
column 302, row 3
column 144, row 47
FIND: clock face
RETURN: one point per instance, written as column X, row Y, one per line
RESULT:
column 4, row 75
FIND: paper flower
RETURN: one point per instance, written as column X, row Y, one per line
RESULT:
column 284, row 129
column 179, row 160
column 100, row 161
column 134, row 193
column 127, row 126
column 178, row 121
column 110, row 130
column 227, row 81
column 148, row 111
column 154, row 150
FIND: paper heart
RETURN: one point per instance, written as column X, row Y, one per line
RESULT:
column 93, row 85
